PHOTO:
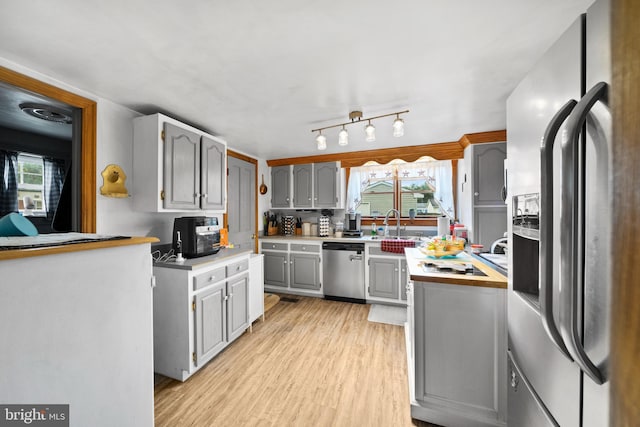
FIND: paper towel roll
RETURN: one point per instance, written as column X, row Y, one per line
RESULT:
column 443, row 226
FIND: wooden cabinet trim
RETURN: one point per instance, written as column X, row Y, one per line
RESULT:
column 440, row 151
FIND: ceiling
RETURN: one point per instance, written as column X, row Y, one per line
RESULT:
column 263, row 74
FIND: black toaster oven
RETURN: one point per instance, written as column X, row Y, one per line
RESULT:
column 198, row 236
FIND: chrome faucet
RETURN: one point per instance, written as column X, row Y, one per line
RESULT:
column 386, row 221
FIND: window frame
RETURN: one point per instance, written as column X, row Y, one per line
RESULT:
column 405, row 220
column 22, row 186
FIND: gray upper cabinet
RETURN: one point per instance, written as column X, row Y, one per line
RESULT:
column 303, row 185
column 488, row 173
column 383, row 278
column 312, row 185
column 305, row 271
column 281, row 186
column 181, row 166
column 325, row 185
column 213, row 174
column 176, row 167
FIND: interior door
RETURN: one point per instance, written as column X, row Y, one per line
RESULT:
column 241, row 208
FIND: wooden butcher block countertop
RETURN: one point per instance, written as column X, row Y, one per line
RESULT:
column 58, row 244
column 416, row 260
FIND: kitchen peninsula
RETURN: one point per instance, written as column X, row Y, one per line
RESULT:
column 76, row 323
column 456, row 342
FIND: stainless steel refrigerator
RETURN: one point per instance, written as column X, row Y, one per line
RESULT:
column 559, row 177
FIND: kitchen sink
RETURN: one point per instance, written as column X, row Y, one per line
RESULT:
column 392, row 237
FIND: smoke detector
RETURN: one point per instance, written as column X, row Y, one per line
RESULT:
column 47, row 112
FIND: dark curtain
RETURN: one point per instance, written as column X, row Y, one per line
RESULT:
column 8, row 182
column 53, row 182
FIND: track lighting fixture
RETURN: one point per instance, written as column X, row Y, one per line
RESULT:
column 369, row 129
column 343, row 137
column 321, row 140
column 398, row 127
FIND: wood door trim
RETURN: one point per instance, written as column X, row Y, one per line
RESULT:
column 225, row 218
column 88, row 138
column 625, row 292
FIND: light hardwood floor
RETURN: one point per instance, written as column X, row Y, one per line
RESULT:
column 312, row 363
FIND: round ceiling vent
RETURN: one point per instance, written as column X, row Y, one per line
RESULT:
column 47, row 112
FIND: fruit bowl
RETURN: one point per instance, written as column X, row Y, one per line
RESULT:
column 442, row 247
column 440, row 253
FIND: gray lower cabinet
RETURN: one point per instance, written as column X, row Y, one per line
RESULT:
column 276, row 268
column 458, row 347
column 293, row 266
column 281, row 187
column 210, row 322
column 383, row 277
column 403, row 280
column 197, row 313
column 305, row 271
column 238, row 306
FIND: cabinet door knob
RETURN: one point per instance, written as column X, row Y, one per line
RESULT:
column 395, row 269
column 476, row 194
column 304, row 248
column 204, row 196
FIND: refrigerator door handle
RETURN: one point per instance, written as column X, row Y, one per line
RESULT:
column 569, row 221
column 546, row 226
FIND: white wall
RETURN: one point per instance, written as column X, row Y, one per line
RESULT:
column 83, row 335
column 116, row 216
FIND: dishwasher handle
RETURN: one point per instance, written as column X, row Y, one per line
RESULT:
column 355, row 257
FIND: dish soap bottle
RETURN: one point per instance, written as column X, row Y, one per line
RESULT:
column 373, row 229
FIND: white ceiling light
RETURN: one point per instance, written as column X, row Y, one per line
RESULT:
column 343, row 137
column 398, row 127
column 47, row 112
column 370, row 130
column 321, row 140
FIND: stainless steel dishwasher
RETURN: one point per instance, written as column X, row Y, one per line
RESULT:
column 343, row 271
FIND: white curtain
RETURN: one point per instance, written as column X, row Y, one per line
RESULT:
column 438, row 174
column 361, row 177
column 53, row 182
